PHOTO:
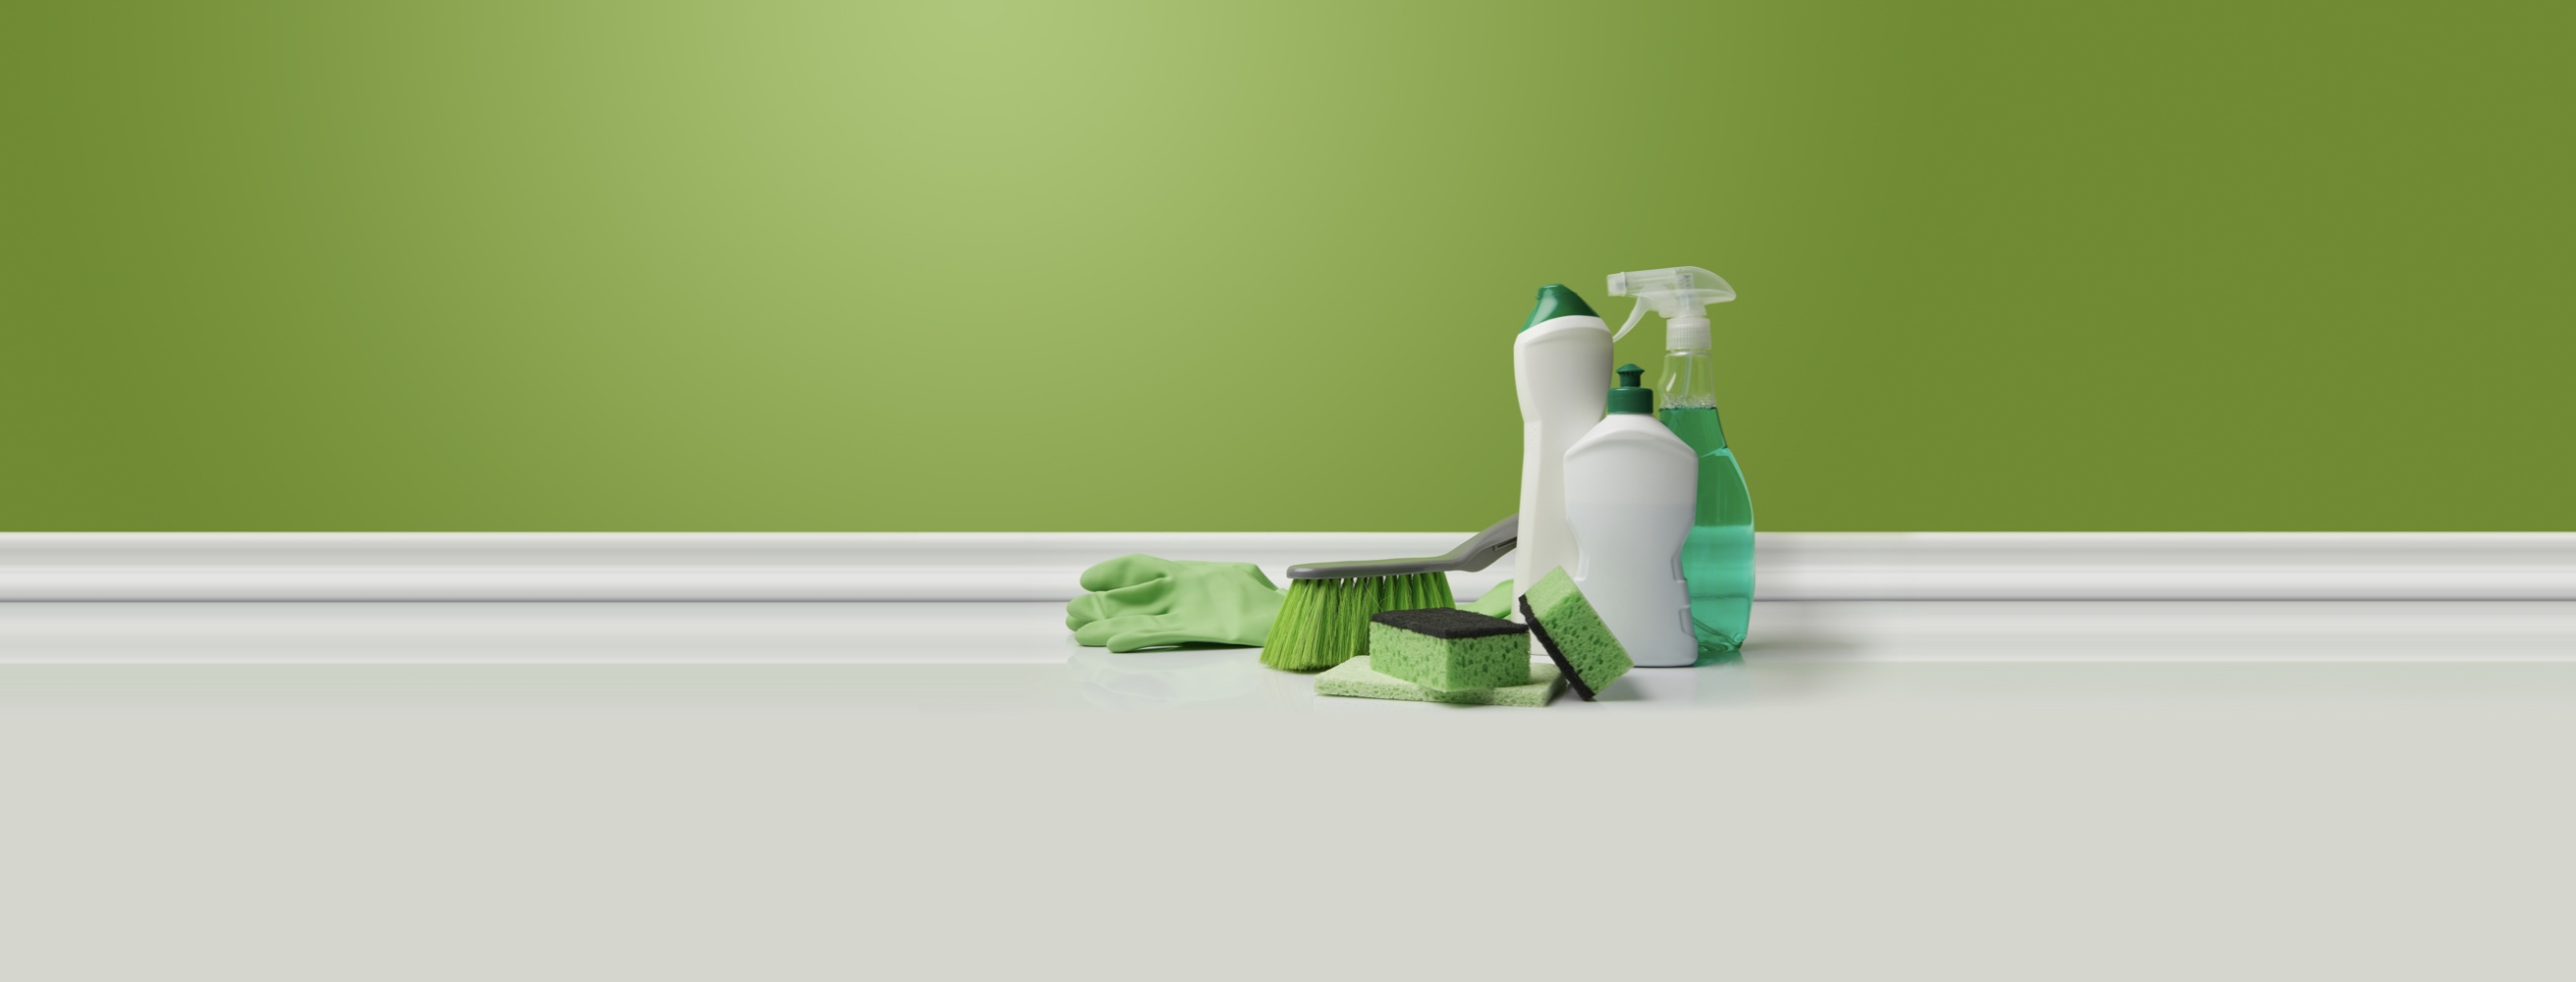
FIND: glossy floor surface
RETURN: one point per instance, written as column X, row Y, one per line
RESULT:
column 2044, row 791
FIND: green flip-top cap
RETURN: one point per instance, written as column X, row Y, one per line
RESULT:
column 1557, row 300
column 1630, row 397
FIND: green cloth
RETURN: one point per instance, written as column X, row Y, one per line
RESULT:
column 1140, row 601
column 1358, row 679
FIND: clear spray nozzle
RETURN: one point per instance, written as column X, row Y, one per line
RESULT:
column 1680, row 294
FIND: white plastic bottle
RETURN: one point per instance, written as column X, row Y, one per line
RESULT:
column 1631, row 488
column 1561, row 365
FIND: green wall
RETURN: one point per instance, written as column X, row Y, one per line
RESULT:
column 763, row 265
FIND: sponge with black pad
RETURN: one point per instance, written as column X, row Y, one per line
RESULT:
column 1573, row 634
column 1449, row 649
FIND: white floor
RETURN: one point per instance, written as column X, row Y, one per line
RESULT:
column 2070, row 790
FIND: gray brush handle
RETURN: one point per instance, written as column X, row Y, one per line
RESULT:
column 1471, row 555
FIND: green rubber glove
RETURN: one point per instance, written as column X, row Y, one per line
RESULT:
column 1496, row 602
column 1140, row 601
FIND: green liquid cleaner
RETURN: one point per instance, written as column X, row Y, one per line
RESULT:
column 1717, row 559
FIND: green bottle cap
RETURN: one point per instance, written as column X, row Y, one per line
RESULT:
column 1557, row 300
column 1631, row 397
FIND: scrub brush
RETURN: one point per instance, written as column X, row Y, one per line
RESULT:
column 1325, row 619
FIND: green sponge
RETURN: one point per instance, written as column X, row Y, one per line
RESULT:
column 1573, row 634
column 1449, row 649
column 1356, row 678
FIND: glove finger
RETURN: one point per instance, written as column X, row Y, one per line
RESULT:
column 1152, row 597
column 1099, row 632
column 1143, row 598
column 1127, row 570
column 1083, row 610
column 1155, row 637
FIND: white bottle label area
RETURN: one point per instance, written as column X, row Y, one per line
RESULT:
column 1631, row 489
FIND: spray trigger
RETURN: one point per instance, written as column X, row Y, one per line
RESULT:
column 1680, row 294
column 1636, row 312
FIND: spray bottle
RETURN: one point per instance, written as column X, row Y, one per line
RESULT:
column 1561, row 366
column 1717, row 561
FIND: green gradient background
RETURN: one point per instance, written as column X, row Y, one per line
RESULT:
column 577, row 265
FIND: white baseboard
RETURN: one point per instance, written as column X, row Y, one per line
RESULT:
column 997, row 566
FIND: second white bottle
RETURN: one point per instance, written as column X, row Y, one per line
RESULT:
column 1630, row 487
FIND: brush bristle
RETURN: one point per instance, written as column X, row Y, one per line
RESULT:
column 1325, row 622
